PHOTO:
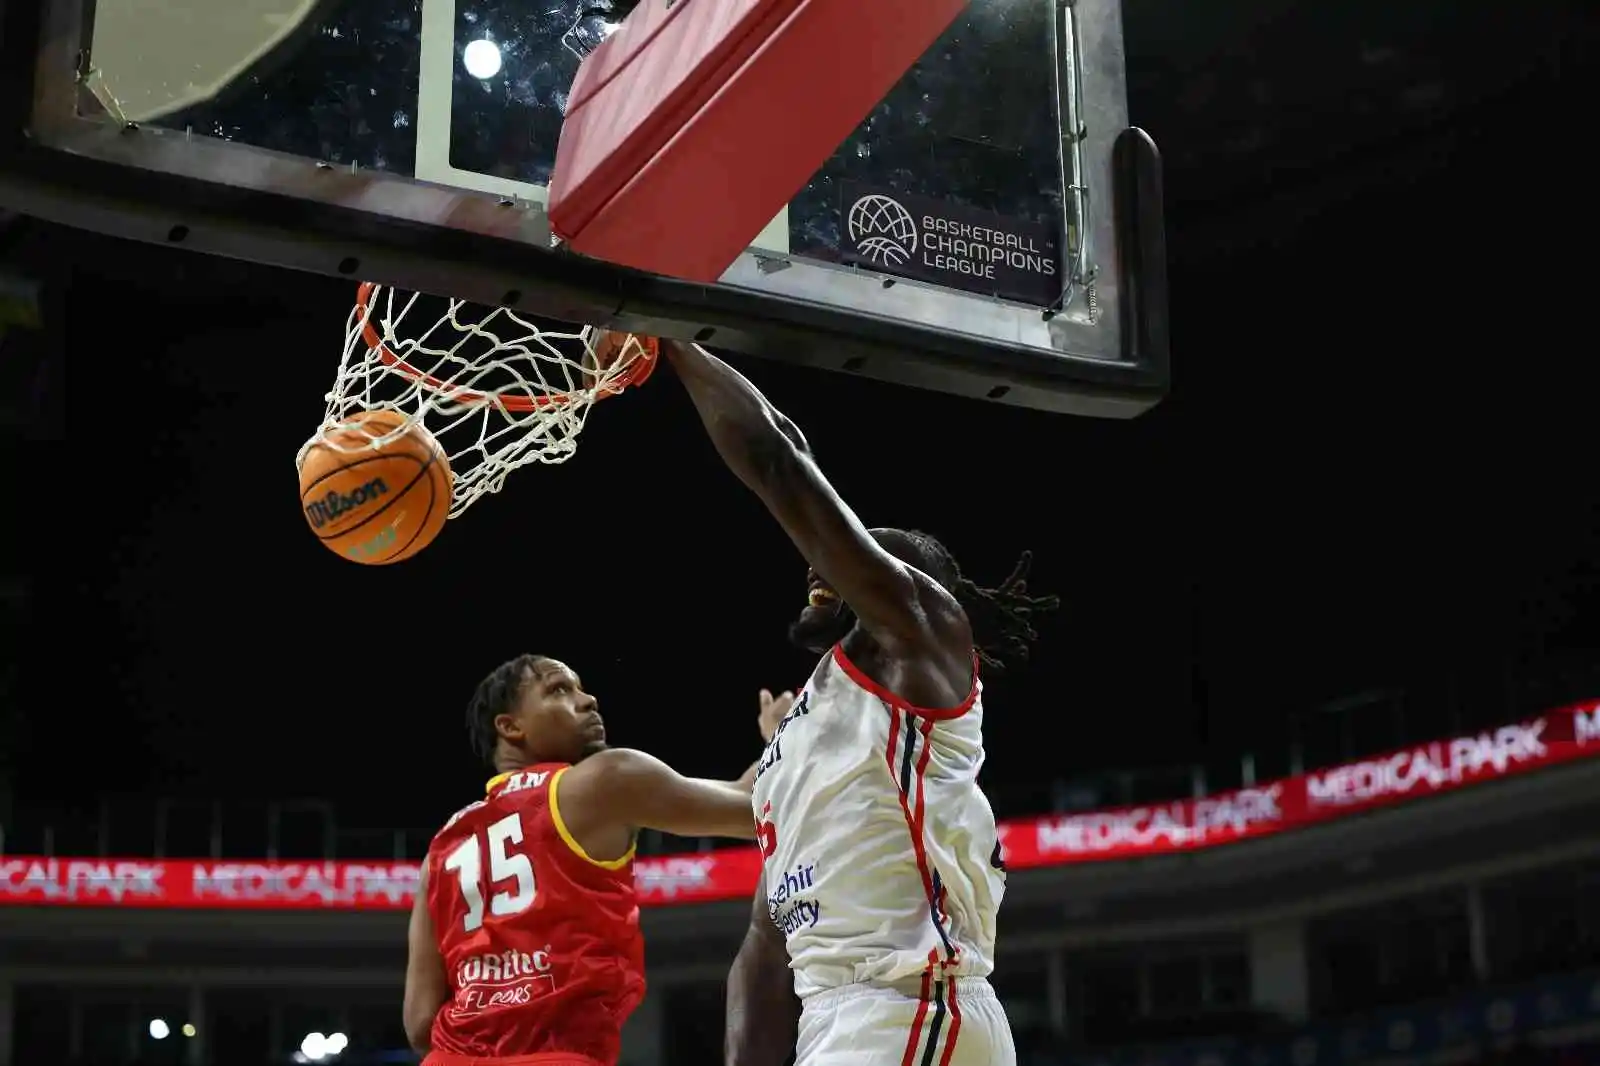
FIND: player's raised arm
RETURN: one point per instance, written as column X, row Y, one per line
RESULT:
column 621, row 789
column 427, row 985
column 769, row 454
column 763, row 1011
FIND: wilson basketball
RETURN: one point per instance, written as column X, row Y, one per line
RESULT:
column 375, row 504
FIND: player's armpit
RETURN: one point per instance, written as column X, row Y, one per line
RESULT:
column 427, row 984
column 623, row 787
column 766, row 452
column 763, row 1011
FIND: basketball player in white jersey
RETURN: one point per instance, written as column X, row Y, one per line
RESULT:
column 883, row 872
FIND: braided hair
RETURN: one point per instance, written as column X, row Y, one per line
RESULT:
column 497, row 694
column 1001, row 617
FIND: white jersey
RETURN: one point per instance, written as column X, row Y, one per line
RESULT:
column 882, row 860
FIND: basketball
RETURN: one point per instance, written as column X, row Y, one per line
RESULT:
column 608, row 346
column 375, row 505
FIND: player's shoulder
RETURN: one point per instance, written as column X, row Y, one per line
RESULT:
column 466, row 817
column 842, row 680
column 614, row 761
column 614, row 784
column 455, row 820
column 509, row 790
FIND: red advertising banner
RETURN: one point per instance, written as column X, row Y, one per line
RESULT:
column 1561, row 736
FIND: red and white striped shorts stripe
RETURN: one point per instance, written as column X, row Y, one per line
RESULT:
column 927, row 1021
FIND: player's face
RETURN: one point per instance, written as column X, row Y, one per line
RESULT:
column 560, row 714
column 825, row 619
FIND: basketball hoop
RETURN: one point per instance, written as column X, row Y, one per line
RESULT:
column 497, row 391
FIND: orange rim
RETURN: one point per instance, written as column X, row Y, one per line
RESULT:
column 636, row 373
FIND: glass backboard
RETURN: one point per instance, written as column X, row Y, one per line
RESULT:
column 993, row 227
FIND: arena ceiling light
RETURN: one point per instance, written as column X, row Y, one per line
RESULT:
column 481, row 58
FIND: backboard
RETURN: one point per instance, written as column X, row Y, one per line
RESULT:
column 993, row 228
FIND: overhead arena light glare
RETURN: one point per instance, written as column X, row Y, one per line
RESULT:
column 319, row 1048
column 482, row 59
column 159, row 1029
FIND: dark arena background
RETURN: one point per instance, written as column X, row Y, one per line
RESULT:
column 1302, row 772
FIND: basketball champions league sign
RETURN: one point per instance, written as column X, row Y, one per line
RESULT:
column 949, row 244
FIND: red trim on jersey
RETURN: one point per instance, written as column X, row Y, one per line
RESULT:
column 917, row 847
column 939, row 715
column 935, row 895
column 914, row 822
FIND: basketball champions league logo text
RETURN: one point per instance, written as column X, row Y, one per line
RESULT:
column 951, row 245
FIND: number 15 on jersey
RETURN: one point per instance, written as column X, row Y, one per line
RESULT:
column 510, row 871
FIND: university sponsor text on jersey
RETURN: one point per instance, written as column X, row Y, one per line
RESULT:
column 788, row 907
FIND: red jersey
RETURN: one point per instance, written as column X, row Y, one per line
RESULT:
column 541, row 942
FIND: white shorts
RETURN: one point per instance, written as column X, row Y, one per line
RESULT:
column 954, row 1022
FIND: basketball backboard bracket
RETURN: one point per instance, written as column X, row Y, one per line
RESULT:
column 1094, row 344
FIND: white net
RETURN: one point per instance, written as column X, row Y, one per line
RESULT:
column 497, row 391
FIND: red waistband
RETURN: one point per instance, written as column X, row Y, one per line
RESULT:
column 544, row 1058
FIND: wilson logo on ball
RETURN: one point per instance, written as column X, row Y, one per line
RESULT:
column 336, row 504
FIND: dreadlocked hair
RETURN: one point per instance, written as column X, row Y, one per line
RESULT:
column 496, row 695
column 1001, row 617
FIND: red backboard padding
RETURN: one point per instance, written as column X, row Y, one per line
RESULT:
column 694, row 124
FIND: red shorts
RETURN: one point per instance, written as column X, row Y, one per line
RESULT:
column 543, row 1058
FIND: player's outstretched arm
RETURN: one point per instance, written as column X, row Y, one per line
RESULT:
column 427, row 985
column 624, row 788
column 769, row 454
column 763, row 1011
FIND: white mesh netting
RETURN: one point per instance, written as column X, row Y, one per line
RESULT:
column 497, row 391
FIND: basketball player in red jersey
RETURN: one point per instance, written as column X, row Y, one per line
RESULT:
column 524, row 941
column 883, row 873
